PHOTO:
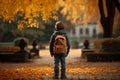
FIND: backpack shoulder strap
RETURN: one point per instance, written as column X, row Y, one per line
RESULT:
column 60, row 36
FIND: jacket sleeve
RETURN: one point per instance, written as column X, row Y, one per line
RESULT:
column 68, row 44
column 51, row 43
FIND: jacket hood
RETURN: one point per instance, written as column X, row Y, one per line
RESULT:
column 60, row 31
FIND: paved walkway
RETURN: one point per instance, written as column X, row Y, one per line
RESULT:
column 77, row 69
column 46, row 58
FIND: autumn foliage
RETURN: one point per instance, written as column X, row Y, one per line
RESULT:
column 28, row 11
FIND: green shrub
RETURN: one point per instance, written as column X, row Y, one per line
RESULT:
column 74, row 44
column 110, row 45
column 17, row 40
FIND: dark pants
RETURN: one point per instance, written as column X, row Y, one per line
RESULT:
column 57, row 60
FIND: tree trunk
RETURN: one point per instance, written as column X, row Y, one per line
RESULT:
column 107, row 21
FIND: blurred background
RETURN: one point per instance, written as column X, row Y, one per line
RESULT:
column 35, row 20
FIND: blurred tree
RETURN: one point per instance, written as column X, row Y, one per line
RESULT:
column 107, row 20
column 49, row 28
column 75, row 11
column 7, row 31
column 117, row 30
column 85, row 11
column 30, row 9
column 78, row 11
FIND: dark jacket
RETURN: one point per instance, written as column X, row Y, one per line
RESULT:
column 53, row 38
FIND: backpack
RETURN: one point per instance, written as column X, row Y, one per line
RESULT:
column 60, row 44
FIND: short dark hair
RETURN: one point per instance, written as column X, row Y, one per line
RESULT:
column 59, row 25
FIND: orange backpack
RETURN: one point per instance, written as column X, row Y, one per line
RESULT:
column 60, row 44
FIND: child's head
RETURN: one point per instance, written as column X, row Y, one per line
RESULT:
column 59, row 25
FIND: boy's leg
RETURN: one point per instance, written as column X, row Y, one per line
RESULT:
column 56, row 67
column 63, row 68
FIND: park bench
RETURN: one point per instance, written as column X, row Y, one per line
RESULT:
column 97, row 54
column 12, row 54
column 102, row 56
column 84, row 51
column 8, row 49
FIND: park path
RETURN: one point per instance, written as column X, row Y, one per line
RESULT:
column 46, row 58
column 77, row 69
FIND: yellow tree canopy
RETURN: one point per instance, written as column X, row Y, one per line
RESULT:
column 31, row 8
column 28, row 8
column 77, row 11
